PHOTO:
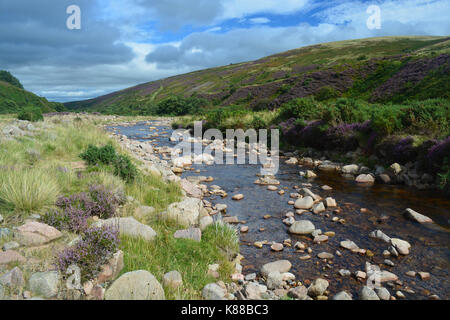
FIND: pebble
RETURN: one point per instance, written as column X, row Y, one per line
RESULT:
column 400, row 294
column 344, row 272
column 424, row 275
column 238, row 197
column 250, row 277
column 325, row 255
column 277, row 247
column 411, row 273
column 244, row 229
column 389, row 263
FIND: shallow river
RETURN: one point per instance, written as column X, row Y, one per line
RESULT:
column 430, row 243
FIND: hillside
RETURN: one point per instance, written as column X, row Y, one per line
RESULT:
column 386, row 69
column 13, row 98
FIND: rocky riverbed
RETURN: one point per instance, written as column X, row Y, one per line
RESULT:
column 316, row 230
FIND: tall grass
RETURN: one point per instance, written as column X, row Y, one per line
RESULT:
column 28, row 190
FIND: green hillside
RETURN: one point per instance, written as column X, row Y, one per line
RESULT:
column 13, row 98
column 377, row 70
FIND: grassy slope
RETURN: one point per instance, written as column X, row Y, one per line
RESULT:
column 14, row 99
column 296, row 73
column 37, row 169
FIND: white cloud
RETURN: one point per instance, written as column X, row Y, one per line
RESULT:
column 259, row 20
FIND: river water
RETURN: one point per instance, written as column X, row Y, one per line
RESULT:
column 384, row 203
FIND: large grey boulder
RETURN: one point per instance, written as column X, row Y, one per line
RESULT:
column 44, row 284
column 367, row 293
column 213, row 291
column 13, row 278
column 343, row 295
column 280, row 266
column 130, row 227
column 318, row 287
column 187, row 212
column 135, row 285
column 302, row 227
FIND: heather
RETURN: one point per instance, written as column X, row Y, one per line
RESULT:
column 96, row 246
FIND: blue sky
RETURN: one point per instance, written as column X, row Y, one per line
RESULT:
column 126, row 42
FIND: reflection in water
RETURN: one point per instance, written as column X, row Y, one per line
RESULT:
column 385, row 205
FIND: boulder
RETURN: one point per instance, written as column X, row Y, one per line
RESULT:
column 302, row 227
column 330, row 202
column 274, row 280
column 367, row 293
column 253, row 291
column 10, row 256
column 350, row 169
column 299, row 292
column 44, row 284
column 172, row 280
column 343, row 295
column 13, row 278
column 130, row 227
column 365, row 178
column 213, row 291
column 383, row 293
column 187, row 212
column 319, row 208
column 205, row 222
column 304, row 203
column 191, row 189
column 310, row 174
column 35, row 233
column 401, row 246
column 280, row 266
column 135, row 285
column 191, row 233
column 318, row 287
column 415, row 216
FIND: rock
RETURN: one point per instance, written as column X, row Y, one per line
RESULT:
column 272, row 188
column 292, row 161
column 10, row 246
column 304, row 203
column 415, row 216
column 327, row 167
column 13, row 131
column 172, row 280
column 2, row 293
column 343, row 295
column 325, row 255
column 187, row 212
column 35, row 234
column 280, row 266
column 326, row 188
column 384, row 178
column 318, row 208
column 401, row 246
column 378, row 234
column 383, row 293
column 277, row 247
column 386, row 276
column 360, row 274
column 424, row 275
column 330, row 202
column 10, row 256
column 238, row 197
column 44, row 284
column 130, row 227
column 350, row 169
column 221, row 207
column 274, row 280
column 400, row 294
column 350, row 245
column 395, row 168
column 316, row 232
column 5, row 233
column 389, row 263
column 411, row 273
column 253, row 291
column 191, row 189
column 191, row 233
column 310, row 174
column 135, row 285
column 320, row 238
column 318, row 287
column 213, row 291
column 344, row 272
column 365, row 178
column 250, row 277
column 244, row 229
column 112, row 269
column 142, row 212
column 299, row 292
column 289, row 221
column 206, row 222
column 302, row 227
column 367, row 293
column 231, row 220
column 13, row 278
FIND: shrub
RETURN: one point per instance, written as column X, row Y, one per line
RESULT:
column 32, row 114
column 94, row 155
column 71, row 219
column 326, row 93
column 124, row 168
column 94, row 249
column 105, row 201
column 28, row 189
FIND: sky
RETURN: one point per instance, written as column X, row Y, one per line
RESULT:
column 122, row 43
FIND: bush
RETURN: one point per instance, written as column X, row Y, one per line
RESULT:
column 32, row 114
column 179, row 105
column 96, row 246
column 123, row 167
column 326, row 93
column 70, row 219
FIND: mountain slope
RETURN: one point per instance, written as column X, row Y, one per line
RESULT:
column 13, row 98
column 375, row 69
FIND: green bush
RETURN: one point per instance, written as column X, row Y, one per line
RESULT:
column 32, row 114
column 107, row 155
column 179, row 106
column 326, row 93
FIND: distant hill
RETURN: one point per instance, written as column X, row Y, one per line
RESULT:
column 13, row 98
column 385, row 69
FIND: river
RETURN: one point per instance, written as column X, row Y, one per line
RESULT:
column 384, row 203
